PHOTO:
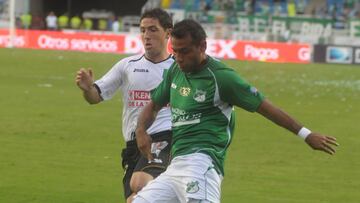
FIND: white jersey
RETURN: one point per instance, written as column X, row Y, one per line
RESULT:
column 135, row 76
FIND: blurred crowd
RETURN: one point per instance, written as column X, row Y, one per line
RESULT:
column 309, row 8
column 76, row 22
column 330, row 9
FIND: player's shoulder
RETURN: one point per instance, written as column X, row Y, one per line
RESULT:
column 171, row 59
column 218, row 67
column 125, row 62
column 133, row 58
column 167, row 62
column 174, row 68
column 140, row 58
column 221, row 72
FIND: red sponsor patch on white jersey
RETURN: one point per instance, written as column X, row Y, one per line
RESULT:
column 135, row 95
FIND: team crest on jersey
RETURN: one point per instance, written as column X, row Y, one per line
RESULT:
column 199, row 95
column 185, row 91
column 192, row 187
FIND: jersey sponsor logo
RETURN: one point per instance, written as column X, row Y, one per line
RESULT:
column 180, row 117
column 141, row 70
column 138, row 98
column 192, row 187
column 180, row 123
column 139, row 95
column 199, row 95
column 137, row 103
column 185, row 91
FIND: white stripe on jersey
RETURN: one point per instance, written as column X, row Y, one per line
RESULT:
column 135, row 76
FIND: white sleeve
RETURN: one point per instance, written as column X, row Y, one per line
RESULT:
column 111, row 81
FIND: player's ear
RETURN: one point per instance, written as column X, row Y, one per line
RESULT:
column 168, row 33
column 203, row 46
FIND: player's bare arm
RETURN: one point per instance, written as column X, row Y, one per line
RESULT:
column 85, row 80
column 146, row 118
column 315, row 140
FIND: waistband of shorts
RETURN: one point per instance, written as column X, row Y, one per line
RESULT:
column 156, row 136
column 131, row 143
column 202, row 156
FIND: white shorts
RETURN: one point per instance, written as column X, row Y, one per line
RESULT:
column 187, row 178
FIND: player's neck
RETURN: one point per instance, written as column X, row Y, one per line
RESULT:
column 157, row 58
column 204, row 60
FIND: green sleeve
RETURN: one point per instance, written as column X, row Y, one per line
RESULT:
column 236, row 91
column 161, row 94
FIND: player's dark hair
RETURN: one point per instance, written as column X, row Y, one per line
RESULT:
column 162, row 16
column 189, row 27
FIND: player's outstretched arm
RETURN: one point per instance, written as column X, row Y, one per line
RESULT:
column 85, row 80
column 315, row 140
column 146, row 118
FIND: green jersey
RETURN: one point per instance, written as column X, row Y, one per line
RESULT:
column 202, row 108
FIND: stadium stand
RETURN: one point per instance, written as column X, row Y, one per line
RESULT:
column 304, row 21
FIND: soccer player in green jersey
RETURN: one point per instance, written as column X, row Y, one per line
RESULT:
column 202, row 92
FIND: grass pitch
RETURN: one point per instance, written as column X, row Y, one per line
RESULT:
column 56, row 148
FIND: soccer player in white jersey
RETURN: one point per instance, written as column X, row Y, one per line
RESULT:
column 202, row 92
column 135, row 76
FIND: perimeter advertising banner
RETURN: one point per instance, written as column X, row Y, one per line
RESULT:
column 131, row 44
column 337, row 54
column 259, row 51
column 73, row 41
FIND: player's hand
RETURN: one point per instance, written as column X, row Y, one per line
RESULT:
column 84, row 79
column 321, row 142
column 143, row 141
